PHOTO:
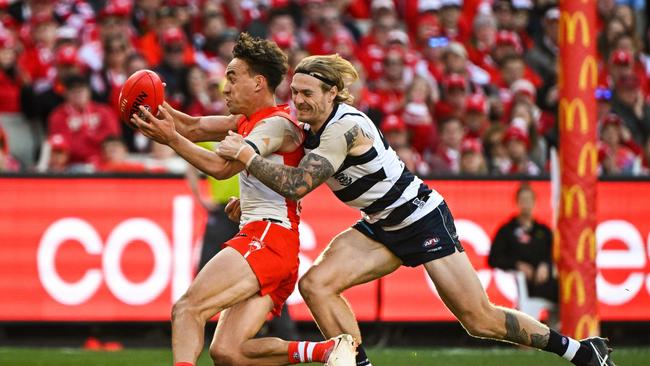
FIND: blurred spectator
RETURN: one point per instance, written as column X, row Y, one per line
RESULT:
column 39, row 103
column 59, row 154
column 630, row 105
column 113, row 22
column 10, row 83
column 517, row 144
column 542, row 58
column 525, row 245
column 613, row 29
column 329, row 27
column 7, row 162
column 163, row 159
column 208, row 40
column 452, row 22
column 198, row 101
column 447, row 158
column 107, row 83
column 616, row 158
column 483, row 40
column 372, row 45
column 503, row 13
column 391, row 88
column 495, row 150
column 454, row 94
column 282, row 28
column 394, row 130
column 167, row 33
column 36, row 61
column 83, row 123
column 521, row 17
column 472, row 161
column 173, row 69
column 114, row 157
column 523, row 116
column 604, row 100
column 476, row 116
column 418, row 117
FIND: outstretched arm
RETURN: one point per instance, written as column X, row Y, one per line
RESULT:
column 163, row 131
column 205, row 128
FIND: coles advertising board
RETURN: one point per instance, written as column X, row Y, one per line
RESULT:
column 105, row 249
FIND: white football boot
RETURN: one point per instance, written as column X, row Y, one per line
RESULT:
column 343, row 353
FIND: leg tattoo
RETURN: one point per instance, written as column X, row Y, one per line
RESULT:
column 515, row 333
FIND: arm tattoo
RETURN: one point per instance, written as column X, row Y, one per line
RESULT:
column 352, row 135
column 292, row 182
column 516, row 334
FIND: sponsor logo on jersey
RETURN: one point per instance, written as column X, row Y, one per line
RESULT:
column 343, row 179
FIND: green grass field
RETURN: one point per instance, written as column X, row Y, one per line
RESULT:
column 380, row 357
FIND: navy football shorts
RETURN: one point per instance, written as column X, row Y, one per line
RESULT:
column 431, row 237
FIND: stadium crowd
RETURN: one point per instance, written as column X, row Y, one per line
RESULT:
column 456, row 87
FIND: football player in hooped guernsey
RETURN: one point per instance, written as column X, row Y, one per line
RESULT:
column 404, row 222
column 257, row 270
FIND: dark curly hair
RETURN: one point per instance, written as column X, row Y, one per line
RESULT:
column 263, row 57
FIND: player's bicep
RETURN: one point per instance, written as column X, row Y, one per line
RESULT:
column 268, row 135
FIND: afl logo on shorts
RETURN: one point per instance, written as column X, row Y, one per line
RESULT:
column 431, row 242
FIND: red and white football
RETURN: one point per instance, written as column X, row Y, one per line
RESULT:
column 143, row 88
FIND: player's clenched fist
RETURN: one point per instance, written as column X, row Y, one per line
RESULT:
column 232, row 146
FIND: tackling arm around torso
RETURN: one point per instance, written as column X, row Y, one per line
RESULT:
column 340, row 139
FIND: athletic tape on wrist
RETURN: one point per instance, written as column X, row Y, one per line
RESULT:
column 239, row 151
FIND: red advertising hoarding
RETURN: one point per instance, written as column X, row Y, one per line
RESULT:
column 124, row 249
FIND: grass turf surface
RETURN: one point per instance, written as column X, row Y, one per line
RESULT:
column 380, row 357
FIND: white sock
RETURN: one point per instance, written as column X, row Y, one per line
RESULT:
column 571, row 350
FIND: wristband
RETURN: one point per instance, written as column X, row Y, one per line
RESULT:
column 241, row 148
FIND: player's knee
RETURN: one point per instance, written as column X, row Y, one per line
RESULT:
column 479, row 322
column 310, row 287
column 181, row 308
column 224, row 356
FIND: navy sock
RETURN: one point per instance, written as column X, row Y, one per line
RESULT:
column 557, row 343
column 362, row 359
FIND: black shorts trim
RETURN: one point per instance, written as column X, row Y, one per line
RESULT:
column 431, row 237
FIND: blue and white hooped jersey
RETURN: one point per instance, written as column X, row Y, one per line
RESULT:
column 376, row 182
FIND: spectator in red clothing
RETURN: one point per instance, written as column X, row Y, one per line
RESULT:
column 625, row 14
column 114, row 157
column 372, row 45
column 329, row 26
column 36, row 61
column 472, row 161
column 620, row 63
column 59, row 158
column 523, row 116
column 447, row 158
column 311, row 12
column 82, row 122
column 419, row 118
column 454, row 94
column 427, row 27
column 198, row 102
column 282, row 29
column 10, row 83
column 394, row 130
column 153, row 43
column 397, row 136
column 517, row 144
column 621, row 160
column 483, row 40
column 391, row 88
column 476, row 116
